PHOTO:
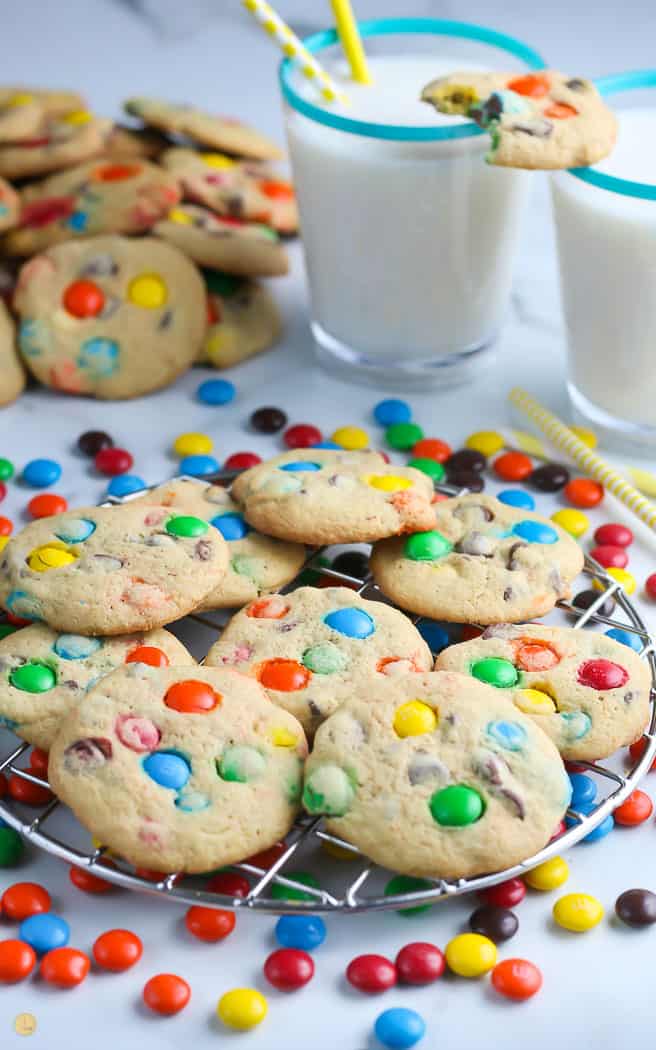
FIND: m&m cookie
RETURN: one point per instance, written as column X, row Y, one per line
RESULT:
column 9, row 206
column 60, row 141
column 589, row 693
column 436, row 775
column 180, row 769
column 250, row 249
column 12, row 372
column 482, row 562
column 243, row 319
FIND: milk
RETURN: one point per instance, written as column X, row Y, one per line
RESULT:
column 607, row 249
column 409, row 245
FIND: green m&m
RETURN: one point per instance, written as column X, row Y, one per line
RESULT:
column 403, row 435
column 186, row 527
column 456, row 806
column 289, row 893
column 11, row 847
column 6, row 469
column 408, row 884
column 426, row 546
column 494, row 670
column 324, row 658
column 6, row 629
column 240, row 764
column 33, row 678
column 328, row 789
column 431, row 467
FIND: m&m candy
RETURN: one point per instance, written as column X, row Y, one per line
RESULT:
column 635, row 809
column 64, row 967
column 209, row 924
column 352, row 438
column 302, row 435
column 628, row 638
column 614, row 535
column 584, row 492
column 6, row 469
column 11, row 847
column 432, row 448
column 517, row 498
column 399, row 1028
column 516, row 979
column 192, row 444
column 88, row 882
column 371, row 973
column 40, row 473
column 46, row 504
column 24, row 899
column 488, row 442
column 403, row 436
column 268, row 420
column 548, row 875
column 650, row 586
column 610, row 557
column 199, row 466
column 124, row 484
column 288, row 969
column 216, row 392
column 550, row 477
column 578, row 912
column 392, row 411
column 44, row 931
column 242, row 1008
column 512, row 466
column 419, row 963
column 230, row 883
column 505, row 894
column 117, row 950
column 497, row 924
column 305, row 932
column 572, row 521
column 166, row 994
column 242, row 461
column 634, row 907
column 17, row 960
column 470, row 954
column 111, row 461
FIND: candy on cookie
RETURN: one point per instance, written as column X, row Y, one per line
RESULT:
column 436, row 774
column 542, row 119
column 587, row 692
column 180, row 769
column 60, row 142
column 12, row 372
column 248, row 249
column 483, row 562
column 312, row 647
column 243, row 320
column 9, row 206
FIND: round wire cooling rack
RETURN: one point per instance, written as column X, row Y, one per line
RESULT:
column 353, row 883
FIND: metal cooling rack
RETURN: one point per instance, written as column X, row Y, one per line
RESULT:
column 355, row 883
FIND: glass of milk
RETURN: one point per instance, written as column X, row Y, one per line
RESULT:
column 606, row 233
column 409, row 235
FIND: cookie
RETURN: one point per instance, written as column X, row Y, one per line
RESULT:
column 125, row 143
column 312, row 648
column 53, row 102
column 243, row 320
column 60, row 142
column 221, row 133
column 90, row 199
column 12, row 373
column 536, row 120
column 589, row 693
column 21, row 115
column 483, row 562
column 239, row 190
column 320, row 496
column 44, row 675
column 9, row 206
column 246, row 248
column 180, row 769
column 110, row 317
column 111, row 570
column 257, row 563
column 441, row 776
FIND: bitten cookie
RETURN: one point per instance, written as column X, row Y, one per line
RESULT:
column 312, row 648
column 61, row 142
column 246, row 248
column 439, row 777
column 483, row 562
column 111, row 570
column 9, row 206
column 536, row 120
column 181, row 769
column 110, row 317
column 12, row 373
column 589, row 693
column 44, row 675
column 320, row 496
column 91, row 199
column 257, row 563
column 243, row 320
column 222, row 133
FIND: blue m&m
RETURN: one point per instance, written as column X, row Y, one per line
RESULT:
column 301, row 465
column 392, row 411
column 510, row 735
column 304, row 932
column 40, row 473
column 633, row 641
column 199, row 466
column 517, row 498
column 584, row 790
column 231, row 526
column 44, row 931
column 76, row 646
column 75, row 530
column 435, row 636
column 535, row 532
column 352, row 622
column 216, row 392
column 399, row 1028
column 601, row 830
column 168, row 769
column 124, row 484
column 326, row 444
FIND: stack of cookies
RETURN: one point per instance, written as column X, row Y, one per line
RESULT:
column 128, row 253
column 447, row 769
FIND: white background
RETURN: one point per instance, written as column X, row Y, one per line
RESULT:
column 597, row 989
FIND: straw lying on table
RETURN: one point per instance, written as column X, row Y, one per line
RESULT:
column 566, row 441
column 290, row 44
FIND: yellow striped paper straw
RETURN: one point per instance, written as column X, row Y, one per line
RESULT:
column 291, row 46
column 566, row 441
column 351, row 41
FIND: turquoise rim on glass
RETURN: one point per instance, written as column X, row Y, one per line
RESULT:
column 391, row 27
column 613, row 85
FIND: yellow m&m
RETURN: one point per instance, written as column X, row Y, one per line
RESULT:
column 414, row 719
column 242, row 1008
column 50, row 556
column 485, row 441
column 578, row 912
column 148, row 291
column 573, row 521
column 352, row 438
column 534, row 702
column 192, row 445
column 471, row 954
column 626, row 579
column 21, row 98
column 77, row 117
column 388, row 482
column 217, row 160
column 183, row 218
column 281, row 737
column 549, row 875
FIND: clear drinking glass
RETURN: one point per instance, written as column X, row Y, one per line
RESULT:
column 409, row 236
column 606, row 235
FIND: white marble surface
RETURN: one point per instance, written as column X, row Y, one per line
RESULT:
column 597, row 986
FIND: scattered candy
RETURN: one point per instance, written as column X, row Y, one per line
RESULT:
column 636, row 907
column 470, row 954
column 64, row 967
column 6, row 469
column 629, row 638
column 399, row 1028
column 305, row 932
column 516, row 979
column 216, row 392
column 549, row 875
column 352, row 438
column 614, row 535
column 635, row 809
column 637, row 749
column 11, row 847
column 242, row 1008
column 584, row 599
column 403, row 436
column 242, row 461
column 93, row 441
column 268, row 420
column 435, row 636
column 371, row 973
column 117, row 950
column 550, row 477
column 505, row 894
column 40, row 473
column 289, row 893
column 47, row 503
column 497, row 924
column 517, row 498
column 24, row 899
column 86, row 881
column 111, row 461
column 231, row 883
column 392, row 411
column 17, row 960
column 434, row 470
column 302, row 435
column 166, row 994
column 419, row 963
column 584, row 492
column 408, row 884
column 578, row 912
column 6, row 526
column 625, row 579
column 466, row 479
column 124, row 484
column 432, row 448
column 199, row 466
column 650, row 586
column 288, row 969
column 192, row 444
column 572, row 521
column 22, row 790
column 584, row 789
column 44, row 931
column 600, row 831
column 466, row 459
column 488, row 442
column 512, row 466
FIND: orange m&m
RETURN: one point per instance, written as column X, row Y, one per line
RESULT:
column 148, row 654
column 46, row 504
column 532, row 85
column 117, row 950
column 533, row 655
column 271, row 608
column 83, row 299
column 116, row 172
column 432, row 448
column 560, row 111
column 513, row 466
column 276, row 190
column 284, row 675
column 584, row 492
column 192, row 697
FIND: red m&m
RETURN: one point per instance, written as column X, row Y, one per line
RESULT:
column 516, row 979
column 83, row 299
column 17, row 960
column 24, row 899
column 113, row 461
column 64, row 967
column 371, row 973
column 242, row 461
column 613, row 534
column 209, row 924
column 148, row 654
column 302, row 435
column 419, row 963
column 609, row 556
column 288, row 969
column 166, row 994
column 505, row 894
